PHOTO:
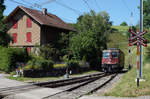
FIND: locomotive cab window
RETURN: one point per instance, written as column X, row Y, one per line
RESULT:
column 106, row 54
column 115, row 54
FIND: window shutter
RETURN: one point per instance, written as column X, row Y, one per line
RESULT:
column 29, row 37
column 29, row 22
column 15, row 24
column 14, row 37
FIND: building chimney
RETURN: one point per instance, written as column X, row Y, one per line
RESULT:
column 44, row 11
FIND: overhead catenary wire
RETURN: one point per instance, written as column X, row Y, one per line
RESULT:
column 63, row 5
column 66, row 19
column 87, row 4
column 27, row 2
column 32, row 4
column 97, row 4
column 131, row 17
column 66, row 6
column 20, row 3
column 48, row 1
column 126, row 6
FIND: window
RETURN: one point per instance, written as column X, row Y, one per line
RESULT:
column 15, row 24
column 28, row 35
column 115, row 54
column 29, row 23
column 14, row 37
column 106, row 54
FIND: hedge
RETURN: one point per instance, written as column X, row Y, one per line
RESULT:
column 39, row 63
column 10, row 56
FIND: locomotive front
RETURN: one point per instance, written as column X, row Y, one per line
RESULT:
column 111, row 60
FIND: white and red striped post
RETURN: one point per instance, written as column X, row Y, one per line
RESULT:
column 138, row 62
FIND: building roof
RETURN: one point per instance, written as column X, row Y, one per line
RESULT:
column 48, row 19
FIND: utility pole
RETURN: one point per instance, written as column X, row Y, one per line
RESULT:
column 130, row 48
column 141, row 30
column 138, row 39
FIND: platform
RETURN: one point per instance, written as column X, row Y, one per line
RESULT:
column 38, row 93
column 110, row 97
column 34, row 94
column 5, row 83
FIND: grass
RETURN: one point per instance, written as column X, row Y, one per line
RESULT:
column 29, row 79
column 127, row 86
column 122, row 29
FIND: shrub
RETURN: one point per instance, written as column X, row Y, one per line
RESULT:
column 48, row 65
column 10, row 56
column 20, row 54
column 49, row 52
column 73, row 65
column 59, row 66
column 39, row 63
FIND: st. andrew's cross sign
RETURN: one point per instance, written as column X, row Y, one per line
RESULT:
column 137, row 39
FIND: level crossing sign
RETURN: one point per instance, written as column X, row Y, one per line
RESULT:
column 137, row 38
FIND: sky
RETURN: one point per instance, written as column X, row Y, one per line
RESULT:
column 70, row 10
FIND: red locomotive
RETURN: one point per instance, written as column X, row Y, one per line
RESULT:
column 112, row 60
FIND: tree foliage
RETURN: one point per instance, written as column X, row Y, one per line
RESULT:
column 146, row 20
column 123, row 24
column 4, row 37
column 146, row 11
column 90, row 39
column 48, row 52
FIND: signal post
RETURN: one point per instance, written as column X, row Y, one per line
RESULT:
column 138, row 40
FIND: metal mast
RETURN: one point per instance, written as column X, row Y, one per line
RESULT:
column 141, row 30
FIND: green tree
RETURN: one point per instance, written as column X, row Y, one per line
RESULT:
column 146, row 11
column 49, row 52
column 123, row 24
column 91, row 38
column 146, row 20
column 4, row 37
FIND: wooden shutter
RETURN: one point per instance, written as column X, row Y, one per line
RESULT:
column 14, row 37
column 29, row 23
column 28, row 37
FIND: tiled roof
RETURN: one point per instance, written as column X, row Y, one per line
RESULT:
column 48, row 19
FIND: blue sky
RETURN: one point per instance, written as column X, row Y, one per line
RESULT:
column 118, row 10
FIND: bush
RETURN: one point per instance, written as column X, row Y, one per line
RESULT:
column 39, row 63
column 59, row 66
column 10, row 56
column 49, row 52
column 73, row 65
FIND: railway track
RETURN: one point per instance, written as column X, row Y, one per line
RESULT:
column 82, row 88
column 52, row 84
column 66, row 82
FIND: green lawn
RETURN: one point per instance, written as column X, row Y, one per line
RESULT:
column 127, row 86
column 122, row 29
